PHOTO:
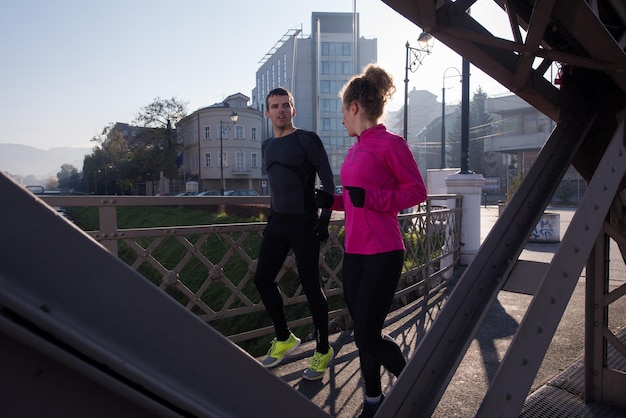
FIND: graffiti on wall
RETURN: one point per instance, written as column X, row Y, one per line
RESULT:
column 547, row 229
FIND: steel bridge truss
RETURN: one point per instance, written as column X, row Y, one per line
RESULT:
column 587, row 39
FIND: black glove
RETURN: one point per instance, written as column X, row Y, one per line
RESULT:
column 323, row 199
column 320, row 230
column 357, row 196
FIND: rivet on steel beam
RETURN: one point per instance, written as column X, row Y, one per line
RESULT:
column 586, row 227
column 509, row 396
column 576, row 249
column 539, row 329
column 45, row 308
column 524, row 361
column 596, row 207
column 605, row 188
column 552, row 300
column 565, row 273
column 612, row 169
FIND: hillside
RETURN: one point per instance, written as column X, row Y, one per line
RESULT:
column 24, row 160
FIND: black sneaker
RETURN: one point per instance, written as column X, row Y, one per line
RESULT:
column 369, row 409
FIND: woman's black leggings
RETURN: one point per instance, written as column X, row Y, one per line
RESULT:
column 369, row 283
column 285, row 232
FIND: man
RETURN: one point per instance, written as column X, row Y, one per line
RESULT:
column 292, row 158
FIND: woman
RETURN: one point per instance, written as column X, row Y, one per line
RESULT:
column 380, row 178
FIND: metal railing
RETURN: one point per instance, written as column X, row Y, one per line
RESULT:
column 210, row 268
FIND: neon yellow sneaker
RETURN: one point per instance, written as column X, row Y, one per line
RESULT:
column 318, row 365
column 279, row 349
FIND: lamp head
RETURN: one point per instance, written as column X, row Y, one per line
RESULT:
column 425, row 41
column 234, row 116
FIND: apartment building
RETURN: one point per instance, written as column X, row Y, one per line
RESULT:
column 222, row 145
column 315, row 68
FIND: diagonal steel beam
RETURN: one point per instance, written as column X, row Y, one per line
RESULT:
column 421, row 385
column 507, row 392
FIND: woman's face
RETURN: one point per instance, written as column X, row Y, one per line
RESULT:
column 349, row 117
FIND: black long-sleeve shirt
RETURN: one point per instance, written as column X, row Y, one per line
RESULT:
column 292, row 163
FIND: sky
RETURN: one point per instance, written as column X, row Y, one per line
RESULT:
column 72, row 67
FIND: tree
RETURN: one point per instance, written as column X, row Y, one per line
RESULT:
column 162, row 114
column 118, row 163
column 159, row 143
column 108, row 168
column 480, row 127
column 68, row 178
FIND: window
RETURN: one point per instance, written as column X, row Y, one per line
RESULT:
column 239, row 132
column 207, row 160
column 224, row 130
column 325, row 124
column 511, row 125
column 224, row 159
column 254, row 158
column 346, row 48
column 207, row 132
column 530, row 123
column 346, row 67
column 240, row 162
column 329, row 67
column 253, row 133
column 331, row 105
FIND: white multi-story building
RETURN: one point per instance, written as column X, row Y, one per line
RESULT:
column 314, row 69
column 210, row 138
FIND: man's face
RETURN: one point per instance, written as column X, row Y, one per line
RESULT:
column 280, row 111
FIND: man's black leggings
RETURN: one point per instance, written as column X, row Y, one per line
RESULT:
column 369, row 283
column 285, row 232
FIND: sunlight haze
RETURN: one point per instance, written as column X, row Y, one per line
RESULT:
column 70, row 67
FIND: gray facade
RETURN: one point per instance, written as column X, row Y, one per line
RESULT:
column 240, row 142
column 315, row 68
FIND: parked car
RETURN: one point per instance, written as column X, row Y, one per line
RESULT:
column 209, row 193
column 244, row 192
column 187, row 194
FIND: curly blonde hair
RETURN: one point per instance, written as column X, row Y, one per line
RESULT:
column 371, row 89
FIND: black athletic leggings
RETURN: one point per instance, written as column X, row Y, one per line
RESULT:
column 285, row 232
column 369, row 283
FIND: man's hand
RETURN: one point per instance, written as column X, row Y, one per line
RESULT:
column 320, row 230
column 323, row 199
column 357, row 196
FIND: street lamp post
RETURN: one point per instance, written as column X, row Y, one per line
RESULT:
column 443, row 114
column 233, row 118
column 95, row 181
column 413, row 61
column 106, row 185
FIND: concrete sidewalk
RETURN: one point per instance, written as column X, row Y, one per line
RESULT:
column 340, row 393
